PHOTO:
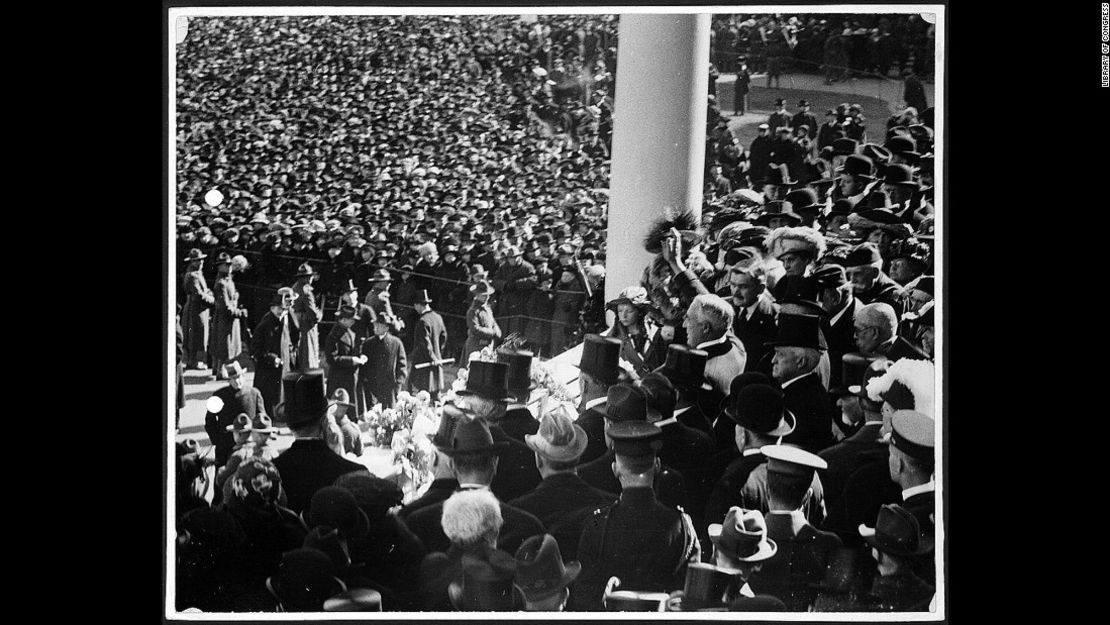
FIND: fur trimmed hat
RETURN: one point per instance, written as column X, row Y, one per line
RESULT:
column 471, row 514
column 685, row 222
column 906, row 381
column 795, row 239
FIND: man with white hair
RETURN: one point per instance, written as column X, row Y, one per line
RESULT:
column 876, row 334
column 425, row 270
column 708, row 321
column 864, row 266
column 797, row 354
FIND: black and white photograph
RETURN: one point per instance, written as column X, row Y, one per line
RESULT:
column 584, row 310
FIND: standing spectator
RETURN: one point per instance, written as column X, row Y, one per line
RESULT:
column 198, row 300
column 226, row 337
column 274, row 348
column 780, row 118
column 514, row 280
column 804, row 118
column 430, row 338
column 759, row 155
column 540, row 309
column 307, row 317
column 743, row 87
column 341, row 351
column 913, row 92
column 384, row 374
column 482, row 327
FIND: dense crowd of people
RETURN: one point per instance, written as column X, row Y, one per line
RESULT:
column 838, row 45
column 754, row 431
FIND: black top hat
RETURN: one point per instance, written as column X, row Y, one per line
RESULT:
column 472, row 436
column 519, row 376
column 844, row 146
column 761, row 409
column 798, row 331
column 625, row 402
column 540, row 571
column 305, row 400
column 707, row 586
column 779, row 175
column 305, row 579
column 858, row 166
column 852, row 368
column 422, row 297
column 487, row 379
column 800, row 291
column 897, row 532
column 685, row 366
column 600, row 357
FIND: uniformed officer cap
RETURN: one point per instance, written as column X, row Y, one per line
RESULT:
column 635, row 438
column 792, row 461
column 913, row 433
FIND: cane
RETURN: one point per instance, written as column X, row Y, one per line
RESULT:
column 432, row 363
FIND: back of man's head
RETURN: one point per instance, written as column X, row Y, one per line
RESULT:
column 472, row 516
column 476, row 468
column 787, row 492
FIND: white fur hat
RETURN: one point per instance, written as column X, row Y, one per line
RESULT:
column 470, row 514
column 795, row 239
column 915, row 376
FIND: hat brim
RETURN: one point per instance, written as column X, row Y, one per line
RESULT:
column 870, row 536
column 495, row 447
column 571, row 571
column 572, row 451
column 786, row 425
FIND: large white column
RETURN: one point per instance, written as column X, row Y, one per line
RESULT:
column 658, row 133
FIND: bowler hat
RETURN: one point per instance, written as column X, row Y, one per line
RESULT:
column 305, row 400
column 844, row 146
column 900, row 175
column 519, row 376
column 685, row 367
column 540, row 571
column 705, row 588
column 422, row 297
column 472, row 436
column 486, row 585
column 761, row 408
column 858, row 166
column 741, row 381
column 743, row 536
column 798, row 331
column 601, row 357
column 903, row 145
column 487, row 379
column 897, row 532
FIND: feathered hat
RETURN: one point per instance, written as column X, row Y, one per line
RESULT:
column 906, row 382
column 795, row 239
column 685, row 222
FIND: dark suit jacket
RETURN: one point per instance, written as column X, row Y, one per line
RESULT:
column 754, row 331
column 843, row 459
column 563, row 502
column 922, row 505
column 593, row 421
column 518, row 422
column 385, row 371
column 901, row 348
column 727, row 490
column 669, row 487
column 841, row 339
column 429, row 338
column 867, row 489
column 306, row 467
column 799, row 564
column 438, row 491
column 684, row 448
column 518, row 526
column 814, row 411
column 516, row 467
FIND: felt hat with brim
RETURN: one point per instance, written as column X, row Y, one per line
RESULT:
column 450, row 417
column 486, row 585
column 305, row 579
column 625, row 402
column 481, row 287
column 305, row 400
column 234, row 369
column 798, row 331
column 558, row 440
column 830, row 277
column 223, row 258
column 386, row 318
column 519, row 377
column 195, row 254
column 739, row 382
column 601, row 357
column 778, row 209
column 897, row 532
column 903, row 145
column 857, row 166
column 706, row 587
column 743, row 536
column 540, row 570
column 900, row 175
column 336, row 507
column 876, row 153
column 866, row 253
column 487, row 379
column 685, row 367
column 761, row 408
column 844, row 146
column 472, row 436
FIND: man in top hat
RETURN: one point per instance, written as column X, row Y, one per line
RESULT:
column 542, row 576
column 876, row 333
column 694, row 397
column 482, row 328
column 637, row 539
column 684, row 447
column 238, row 397
column 274, row 347
column 429, row 339
column 378, row 299
column 562, row 501
column 780, row 117
column 514, row 279
column 897, row 544
column 307, row 317
column 195, row 314
column 834, row 293
column 794, row 365
column 364, row 314
column 859, row 415
column 518, row 421
column 385, row 371
column 309, row 464
column 804, row 551
column 473, row 457
column 598, row 369
column 708, row 321
column 760, row 418
column 341, row 352
column 870, row 284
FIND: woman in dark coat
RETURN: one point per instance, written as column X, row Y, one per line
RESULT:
column 226, row 338
column 195, row 314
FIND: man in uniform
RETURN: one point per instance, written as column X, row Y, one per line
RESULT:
column 341, row 350
column 385, row 371
column 429, row 339
column 307, row 317
column 238, row 397
column 274, row 347
column 644, row 543
column 195, row 314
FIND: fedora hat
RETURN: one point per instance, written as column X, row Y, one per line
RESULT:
column 472, row 436
column 305, row 579
column 540, row 570
column 897, row 532
column 241, row 424
column 858, row 166
column 798, row 331
column 234, row 369
column 558, row 437
column 481, row 287
column 305, row 269
column 685, row 367
column 900, row 175
column 743, row 536
column 519, row 376
column 336, row 507
column 761, row 408
column 305, row 401
column 903, row 145
column 422, row 297
column 706, row 588
column 486, row 585
column 450, row 416
column 601, row 357
column 487, row 379
column 195, row 254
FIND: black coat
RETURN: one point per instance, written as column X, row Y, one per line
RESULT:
column 439, row 490
column 245, row 400
column 670, row 485
column 844, row 458
column 901, row 348
column 518, row 526
column 684, row 448
column 755, row 331
column 867, row 489
column 385, row 371
column 563, row 502
column 518, row 422
column 516, row 467
column 341, row 352
column 800, row 563
column 645, row 543
column 274, row 351
column 306, row 467
column 389, row 556
column 727, row 490
column 814, row 412
column 841, row 340
column 593, row 421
